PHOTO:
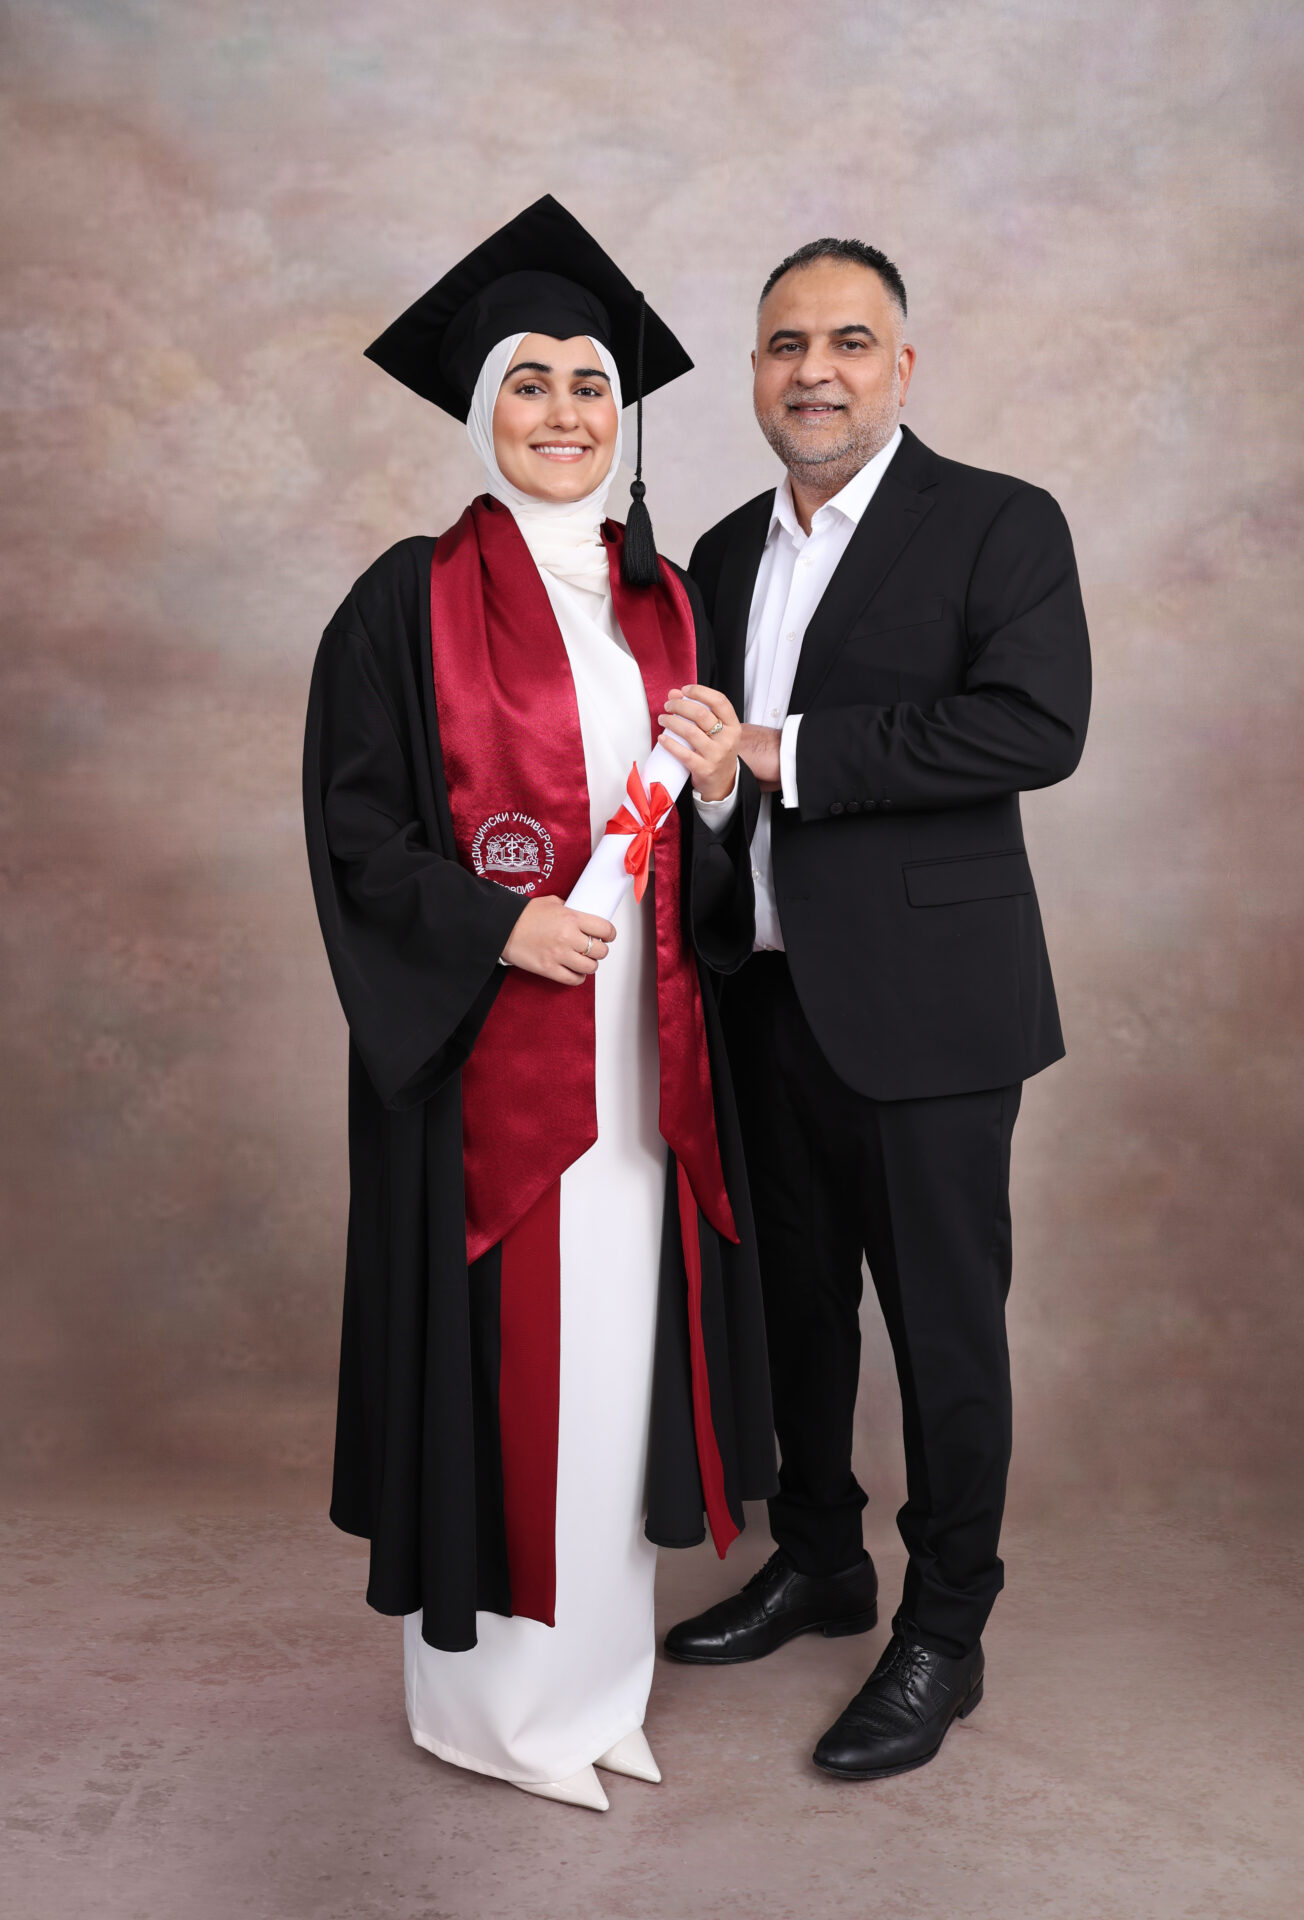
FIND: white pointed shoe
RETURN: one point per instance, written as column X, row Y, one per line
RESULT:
column 633, row 1756
column 582, row 1789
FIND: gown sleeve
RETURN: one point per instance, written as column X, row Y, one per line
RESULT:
column 413, row 938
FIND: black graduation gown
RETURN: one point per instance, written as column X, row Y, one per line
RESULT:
column 413, row 940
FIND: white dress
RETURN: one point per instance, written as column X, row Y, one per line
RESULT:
column 533, row 1703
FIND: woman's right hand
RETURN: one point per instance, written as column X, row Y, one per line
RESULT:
column 552, row 940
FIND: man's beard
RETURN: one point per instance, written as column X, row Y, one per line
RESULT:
column 832, row 463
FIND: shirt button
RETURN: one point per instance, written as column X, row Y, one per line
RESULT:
column 756, row 873
column 774, row 713
column 790, row 636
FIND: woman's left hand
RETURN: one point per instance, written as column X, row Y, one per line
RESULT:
column 689, row 731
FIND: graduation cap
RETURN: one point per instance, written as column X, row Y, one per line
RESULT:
column 541, row 273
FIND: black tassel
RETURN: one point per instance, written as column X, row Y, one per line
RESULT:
column 638, row 556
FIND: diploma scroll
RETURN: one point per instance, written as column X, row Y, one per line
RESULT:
column 606, row 880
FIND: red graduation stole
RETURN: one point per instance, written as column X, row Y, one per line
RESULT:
column 514, row 768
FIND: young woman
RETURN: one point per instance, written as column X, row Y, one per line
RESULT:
column 553, row 1354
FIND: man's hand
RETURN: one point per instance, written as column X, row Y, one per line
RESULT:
column 700, row 728
column 758, row 748
column 552, row 940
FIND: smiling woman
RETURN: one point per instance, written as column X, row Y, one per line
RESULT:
column 555, row 421
column 553, row 1355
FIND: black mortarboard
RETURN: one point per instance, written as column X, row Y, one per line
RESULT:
column 541, row 273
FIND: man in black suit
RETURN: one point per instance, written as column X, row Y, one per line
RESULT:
column 905, row 639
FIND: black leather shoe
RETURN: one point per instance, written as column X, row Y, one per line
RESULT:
column 899, row 1718
column 776, row 1605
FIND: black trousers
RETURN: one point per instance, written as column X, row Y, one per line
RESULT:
column 920, row 1189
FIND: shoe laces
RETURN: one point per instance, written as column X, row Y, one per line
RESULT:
column 762, row 1574
column 907, row 1662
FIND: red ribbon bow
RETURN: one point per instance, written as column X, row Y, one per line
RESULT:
column 645, row 823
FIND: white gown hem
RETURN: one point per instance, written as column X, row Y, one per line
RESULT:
column 442, row 1751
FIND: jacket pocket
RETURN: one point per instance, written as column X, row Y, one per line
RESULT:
column 919, row 613
column 975, row 876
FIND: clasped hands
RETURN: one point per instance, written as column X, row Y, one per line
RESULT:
column 700, row 728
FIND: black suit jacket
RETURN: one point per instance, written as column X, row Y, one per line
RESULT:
column 945, row 670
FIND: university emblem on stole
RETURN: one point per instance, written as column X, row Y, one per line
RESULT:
column 513, row 849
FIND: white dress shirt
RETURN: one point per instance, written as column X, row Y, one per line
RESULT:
column 795, row 570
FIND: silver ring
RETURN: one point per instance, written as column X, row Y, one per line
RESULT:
column 717, row 728
column 587, row 945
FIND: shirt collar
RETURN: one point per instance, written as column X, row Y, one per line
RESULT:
column 850, row 503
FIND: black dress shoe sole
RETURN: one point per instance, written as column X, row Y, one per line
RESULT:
column 906, row 1766
column 831, row 1629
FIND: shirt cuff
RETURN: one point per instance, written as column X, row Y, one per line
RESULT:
column 717, row 814
column 788, row 759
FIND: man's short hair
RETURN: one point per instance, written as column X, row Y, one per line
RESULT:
column 856, row 250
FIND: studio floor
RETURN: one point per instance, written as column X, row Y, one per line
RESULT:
column 203, row 1721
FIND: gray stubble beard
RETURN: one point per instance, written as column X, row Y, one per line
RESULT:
column 831, row 469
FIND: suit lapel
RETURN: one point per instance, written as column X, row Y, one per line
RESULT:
column 902, row 502
column 733, row 599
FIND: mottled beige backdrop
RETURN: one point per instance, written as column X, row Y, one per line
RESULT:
column 212, row 206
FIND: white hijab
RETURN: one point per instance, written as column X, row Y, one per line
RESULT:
column 564, row 541
column 562, row 535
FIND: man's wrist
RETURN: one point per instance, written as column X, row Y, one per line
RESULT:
column 759, row 747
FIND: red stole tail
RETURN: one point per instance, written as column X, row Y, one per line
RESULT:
column 514, row 768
